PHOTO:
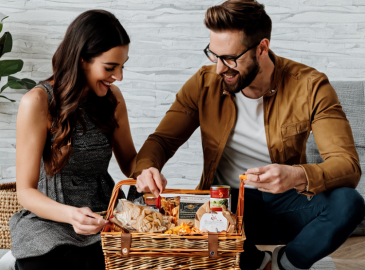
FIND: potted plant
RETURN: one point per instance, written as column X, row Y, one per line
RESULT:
column 10, row 67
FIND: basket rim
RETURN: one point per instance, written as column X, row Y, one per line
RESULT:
column 8, row 186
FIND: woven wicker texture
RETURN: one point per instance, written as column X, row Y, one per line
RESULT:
column 8, row 206
column 163, row 251
column 115, row 262
column 157, row 242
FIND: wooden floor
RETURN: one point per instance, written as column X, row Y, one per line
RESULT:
column 350, row 256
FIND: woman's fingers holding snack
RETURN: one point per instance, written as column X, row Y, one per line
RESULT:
column 87, row 229
column 84, row 221
column 91, row 217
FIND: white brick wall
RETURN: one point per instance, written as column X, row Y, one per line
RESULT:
column 167, row 42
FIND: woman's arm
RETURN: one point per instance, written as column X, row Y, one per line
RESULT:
column 123, row 146
column 33, row 123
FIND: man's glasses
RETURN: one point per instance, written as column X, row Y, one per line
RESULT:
column 228, row 60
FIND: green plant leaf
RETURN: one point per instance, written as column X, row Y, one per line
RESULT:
column 9, row 67
column 1, row 23
column 4, row 87
column 16, row 83
column 6, row 43
column 12, row 100
column 29, row 84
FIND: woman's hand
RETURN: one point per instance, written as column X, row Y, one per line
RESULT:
column 150, row 180
column 86, row 222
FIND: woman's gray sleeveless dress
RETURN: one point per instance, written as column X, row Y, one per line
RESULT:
column 84, row 181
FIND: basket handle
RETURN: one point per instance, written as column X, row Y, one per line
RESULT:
column 240, row 204
column 128, row 182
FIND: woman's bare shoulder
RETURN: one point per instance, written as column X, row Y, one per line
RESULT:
column 119, row 96
column 35, row 98
column 121, row 110
column 117, row 93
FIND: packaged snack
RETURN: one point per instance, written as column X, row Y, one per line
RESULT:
column 170, row 207
column 213, row 222
column 231, row 218
column 189, row 205
column 132, row 217
column 182, row 207
column 150, row 200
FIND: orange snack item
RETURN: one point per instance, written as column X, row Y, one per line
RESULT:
column 243, row 177
column 182, row 229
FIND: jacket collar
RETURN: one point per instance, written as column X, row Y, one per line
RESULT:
column 278, row 62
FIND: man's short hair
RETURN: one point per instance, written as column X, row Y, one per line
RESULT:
column 247, row 16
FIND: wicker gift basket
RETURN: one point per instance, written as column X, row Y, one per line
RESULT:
column 167, row 252
column 8, row 206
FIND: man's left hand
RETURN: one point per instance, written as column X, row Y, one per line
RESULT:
column 276, row 178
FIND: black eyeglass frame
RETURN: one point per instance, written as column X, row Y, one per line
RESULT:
column 230, row 57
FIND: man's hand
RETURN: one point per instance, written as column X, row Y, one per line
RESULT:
column 276, row 178
column 150, row 180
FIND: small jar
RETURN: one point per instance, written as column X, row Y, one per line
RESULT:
column 219, row 196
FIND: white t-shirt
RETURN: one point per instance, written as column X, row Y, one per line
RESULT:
column 246, row 145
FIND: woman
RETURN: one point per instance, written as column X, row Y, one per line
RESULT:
column 67, row 128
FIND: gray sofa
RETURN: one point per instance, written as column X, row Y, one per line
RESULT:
column 352, row 98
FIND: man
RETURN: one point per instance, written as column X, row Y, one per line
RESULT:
column 256, row 111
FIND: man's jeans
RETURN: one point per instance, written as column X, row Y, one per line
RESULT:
column 311, row 227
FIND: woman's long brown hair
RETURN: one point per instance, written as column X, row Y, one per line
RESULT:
column 88, row 36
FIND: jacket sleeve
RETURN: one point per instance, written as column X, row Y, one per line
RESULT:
column 334, row 139
column 179, row 123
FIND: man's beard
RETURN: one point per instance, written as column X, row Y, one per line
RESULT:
column 243, row 82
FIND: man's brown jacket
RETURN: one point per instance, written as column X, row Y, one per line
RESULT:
column 300, row 101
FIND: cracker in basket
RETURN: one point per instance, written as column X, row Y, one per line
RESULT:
column 139, row 218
